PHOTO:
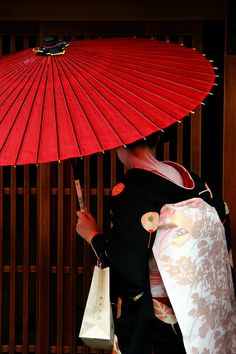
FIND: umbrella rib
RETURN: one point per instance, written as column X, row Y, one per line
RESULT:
column 151, row 120
column 29, row 77
column 82, row 109
column 125, row 58
column 129, row 82
column 55, row 107
column 116, row 66
column 41, row 121
column 9, row 74
column 122, row 64
column 144, row 60
column 85, row 112
column 23, row 101
column 31, row 108
column 111, row 72
column 135, row 108
column 26, row 72
column 109, row 92
column 68, row 108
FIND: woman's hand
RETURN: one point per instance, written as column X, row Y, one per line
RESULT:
column 86, row 226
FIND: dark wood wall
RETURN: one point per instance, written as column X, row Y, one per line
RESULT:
column 113, row 10
column 44, row 268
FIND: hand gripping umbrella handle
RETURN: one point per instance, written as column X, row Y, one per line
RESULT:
column 80, row 196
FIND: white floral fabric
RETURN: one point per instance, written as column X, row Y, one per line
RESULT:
column 191, row 254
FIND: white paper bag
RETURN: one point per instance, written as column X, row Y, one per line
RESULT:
column 97, row 329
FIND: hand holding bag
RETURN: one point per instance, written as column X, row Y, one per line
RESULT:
column 97, row 329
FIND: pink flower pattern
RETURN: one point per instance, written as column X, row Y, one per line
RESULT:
column 191, row 254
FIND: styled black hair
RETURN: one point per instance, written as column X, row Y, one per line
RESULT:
column 151, row 141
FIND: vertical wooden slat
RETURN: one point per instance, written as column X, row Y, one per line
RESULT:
column 12, row 44
column 87, row 182
column 100, row 197
column 113, row 168
column 1, row 250
column 60, row 259
column 180, row 126
column 26, row 262
column 25, row 42
column 43, row 259
column 196, row 132
column 100, row 192
column 41, row 33
column 0, row 45
column 12, row 263
column 181, row 39
column 180, row 143
column 196, row 120
column 73, row 273
column 86, row 245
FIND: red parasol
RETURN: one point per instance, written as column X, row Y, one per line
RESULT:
column 99, row 95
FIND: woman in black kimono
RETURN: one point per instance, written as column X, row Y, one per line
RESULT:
column 147, row 186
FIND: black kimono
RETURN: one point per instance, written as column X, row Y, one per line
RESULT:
column 142, row 191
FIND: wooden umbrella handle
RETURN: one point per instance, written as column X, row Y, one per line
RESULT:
column 80, row 196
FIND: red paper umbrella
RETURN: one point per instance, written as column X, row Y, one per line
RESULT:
column 99, row 95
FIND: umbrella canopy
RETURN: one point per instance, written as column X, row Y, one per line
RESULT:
column 99, row 95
